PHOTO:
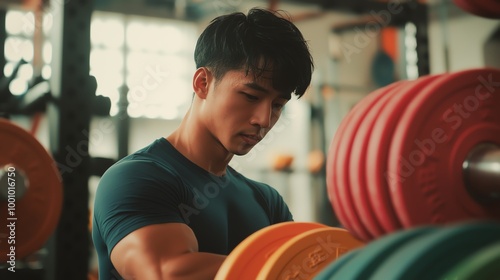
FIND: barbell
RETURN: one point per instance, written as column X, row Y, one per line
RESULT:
column 30, row 193
column 418, row 152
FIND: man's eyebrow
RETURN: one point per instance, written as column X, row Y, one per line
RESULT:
column 257, row 87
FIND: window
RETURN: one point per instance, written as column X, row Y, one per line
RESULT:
column 152, row 57
column 20, row 45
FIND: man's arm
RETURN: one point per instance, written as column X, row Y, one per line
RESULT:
column 163, row 251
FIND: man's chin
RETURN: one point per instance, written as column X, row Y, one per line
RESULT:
column 241, row 151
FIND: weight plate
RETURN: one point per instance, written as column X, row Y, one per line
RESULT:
column 332, row 268
column 378, row 143
column 29, row 219
column 340, row 158
column 248, row 257
column 332, row 188
column 305, row 255
column 373, row 254
column 433, row 137
column 357, row 179
column 432, row 255
column 481, row 265
column 341, row 206
column 482, row 8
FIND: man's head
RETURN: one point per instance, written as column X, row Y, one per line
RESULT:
column 257, row 42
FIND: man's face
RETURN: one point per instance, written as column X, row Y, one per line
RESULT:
column 241, row 110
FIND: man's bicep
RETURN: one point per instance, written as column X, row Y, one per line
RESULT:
column 142, row 253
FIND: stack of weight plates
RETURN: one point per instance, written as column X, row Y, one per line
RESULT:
column 396, row 159
column 465, row 251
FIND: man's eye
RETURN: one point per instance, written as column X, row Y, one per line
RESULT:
column 250, row 97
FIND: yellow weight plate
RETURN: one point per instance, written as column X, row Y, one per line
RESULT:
column 305, row 255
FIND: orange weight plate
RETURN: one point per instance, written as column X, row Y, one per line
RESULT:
column 30, row 219
column 246, row 260
column 305, row 255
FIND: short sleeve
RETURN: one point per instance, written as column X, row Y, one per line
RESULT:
column 134, row 194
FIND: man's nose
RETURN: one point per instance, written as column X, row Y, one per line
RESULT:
column 262, row 115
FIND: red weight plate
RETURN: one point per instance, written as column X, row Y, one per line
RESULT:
column 356, row 177
column 338, row 191
column 338, row 203
column 379, row 143
column 33, row 217
column 443, row 123
column 247, row 259
column 491, row 8
column 482, row 8
column 331, row 163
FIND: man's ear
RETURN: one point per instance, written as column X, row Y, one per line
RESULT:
column 201, row 82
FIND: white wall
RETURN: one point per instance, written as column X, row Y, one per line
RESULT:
column 466, row 36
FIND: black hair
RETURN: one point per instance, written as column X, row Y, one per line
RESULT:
column 260, row 41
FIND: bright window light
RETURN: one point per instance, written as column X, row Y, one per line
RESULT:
column 25, row 72
column 46, row 72
column 47, row 52
column 48, row 21
column 157, row 58
column 14, row 22
column 13, row 48
column 18, row 86
column 8, row 69
column 108, row 33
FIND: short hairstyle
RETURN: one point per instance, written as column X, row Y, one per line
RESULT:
column 260, row 41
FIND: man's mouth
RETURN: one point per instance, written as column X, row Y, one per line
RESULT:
column 251, row 139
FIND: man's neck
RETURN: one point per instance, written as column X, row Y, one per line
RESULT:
column 194, row 141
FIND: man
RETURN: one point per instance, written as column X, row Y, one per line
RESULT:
column 175, row 209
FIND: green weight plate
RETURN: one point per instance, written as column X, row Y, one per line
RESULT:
column 484, row 265
column 355, row 163
column 377, row 150
column 338, row 192
column 372, row 255
column 332, row 268
column 431, row 256
column 434, row 135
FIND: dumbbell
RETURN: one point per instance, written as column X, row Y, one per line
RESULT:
column 418, row 152
column 465, row 251
column 288, row 250
column 31, row 193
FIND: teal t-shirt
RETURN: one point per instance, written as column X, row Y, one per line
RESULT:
column 157, row 184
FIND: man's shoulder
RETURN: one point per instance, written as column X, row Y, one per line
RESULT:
column 155, row 154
